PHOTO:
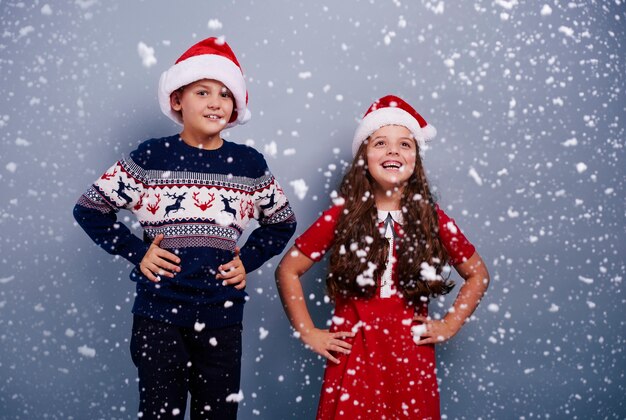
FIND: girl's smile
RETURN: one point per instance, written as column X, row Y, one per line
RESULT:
column 392, row 165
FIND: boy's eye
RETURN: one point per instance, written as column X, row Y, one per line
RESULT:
column 203, row 92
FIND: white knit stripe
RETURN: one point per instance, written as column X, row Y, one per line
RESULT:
column 223, row 206
column 172, row 178
column 268, row 201
column 119, row 188
column 169, row 204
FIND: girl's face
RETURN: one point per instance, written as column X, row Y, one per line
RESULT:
column 391, row 153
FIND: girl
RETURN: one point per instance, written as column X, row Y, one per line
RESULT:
column 391, row 247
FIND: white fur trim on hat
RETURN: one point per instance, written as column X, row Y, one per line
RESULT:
column 391, row 116
column 206, row 66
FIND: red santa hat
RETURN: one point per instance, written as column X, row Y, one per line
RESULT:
column 211, row 58
column 391, row 110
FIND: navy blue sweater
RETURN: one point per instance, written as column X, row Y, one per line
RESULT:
column 201, row 200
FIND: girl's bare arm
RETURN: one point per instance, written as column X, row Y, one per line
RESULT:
column 293, row 265
column 476, row 277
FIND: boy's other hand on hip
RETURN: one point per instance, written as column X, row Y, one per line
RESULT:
column 233, row 273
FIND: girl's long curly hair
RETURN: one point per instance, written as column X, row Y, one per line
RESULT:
column 360, row 249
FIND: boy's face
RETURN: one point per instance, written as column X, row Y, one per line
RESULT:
column 206, row 107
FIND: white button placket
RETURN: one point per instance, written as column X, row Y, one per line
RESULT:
column 386, row 283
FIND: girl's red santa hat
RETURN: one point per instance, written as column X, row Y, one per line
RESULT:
column 211, row 58
column 391, row 110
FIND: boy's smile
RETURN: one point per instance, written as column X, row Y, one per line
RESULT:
column 206, row 107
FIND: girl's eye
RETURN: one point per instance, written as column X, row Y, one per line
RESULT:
column 379, row 143
column 203, row 92
column 226, row 94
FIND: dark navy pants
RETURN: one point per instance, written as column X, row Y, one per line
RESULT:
column 173, row 361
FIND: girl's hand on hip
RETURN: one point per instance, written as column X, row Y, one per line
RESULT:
column 432, row 331
column 158, row 262
column 323, row 342
column 233, row 272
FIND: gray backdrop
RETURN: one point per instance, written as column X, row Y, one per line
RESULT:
column 529, row 102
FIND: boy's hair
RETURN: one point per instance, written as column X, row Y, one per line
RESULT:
column 210, row 58
column 357, row 224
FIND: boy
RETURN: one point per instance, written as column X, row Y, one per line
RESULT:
column 193, row 193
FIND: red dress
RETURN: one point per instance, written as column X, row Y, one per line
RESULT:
column 386, row 375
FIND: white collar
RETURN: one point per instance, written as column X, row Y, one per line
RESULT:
column 396, row 215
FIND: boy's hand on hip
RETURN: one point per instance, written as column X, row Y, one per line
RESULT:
column 158, row 262
column 233, row 272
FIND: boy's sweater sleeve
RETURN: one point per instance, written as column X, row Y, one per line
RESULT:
column 277, row 223
column 96, row 212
